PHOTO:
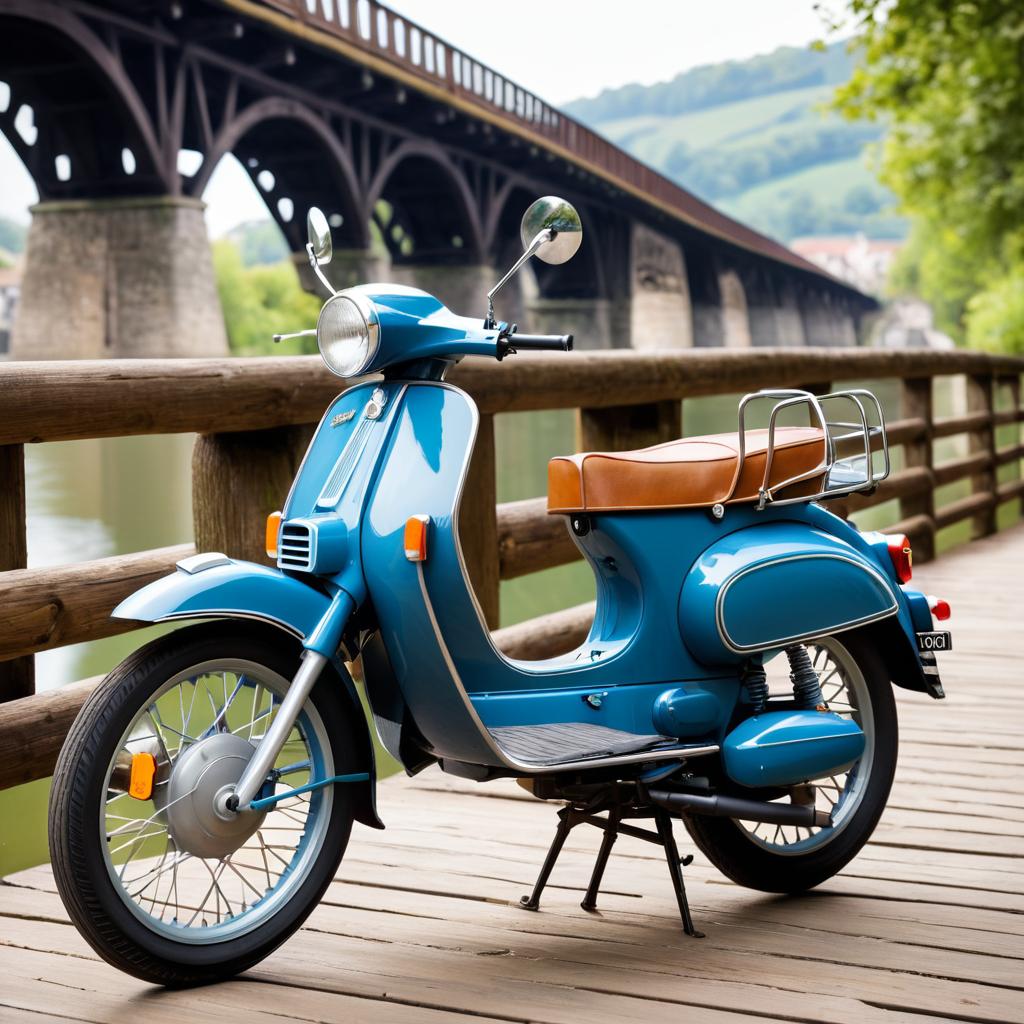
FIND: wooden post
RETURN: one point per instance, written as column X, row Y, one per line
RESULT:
column 478, row 524
column 17, row 676
column 983, row 439
column 918, row 404
column 624, row 427
column 238, row 479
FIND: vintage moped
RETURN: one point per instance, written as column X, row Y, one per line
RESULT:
column 738, row 674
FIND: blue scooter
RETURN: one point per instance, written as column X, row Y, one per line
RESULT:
column 737, row 674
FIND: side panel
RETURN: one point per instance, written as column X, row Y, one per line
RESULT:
column 776, row 584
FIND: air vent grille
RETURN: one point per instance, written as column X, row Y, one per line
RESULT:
column 295, row 547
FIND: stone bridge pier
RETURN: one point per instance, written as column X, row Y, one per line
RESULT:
column 118, row 277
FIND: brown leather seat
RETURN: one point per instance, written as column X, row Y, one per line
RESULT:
column 693, row 472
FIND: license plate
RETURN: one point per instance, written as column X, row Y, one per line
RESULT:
column 935, row 641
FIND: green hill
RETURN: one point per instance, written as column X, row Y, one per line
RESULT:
column 753, row 138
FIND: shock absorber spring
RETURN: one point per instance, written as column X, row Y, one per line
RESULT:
column 806, row 685
column 756, row 683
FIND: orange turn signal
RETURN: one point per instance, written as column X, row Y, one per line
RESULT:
column 273, row 528
column 416, row 538
column 143, row 770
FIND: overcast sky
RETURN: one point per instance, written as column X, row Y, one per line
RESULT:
column 558, row 49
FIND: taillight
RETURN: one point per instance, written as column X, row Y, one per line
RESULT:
column 940, row 609
column 901, row 556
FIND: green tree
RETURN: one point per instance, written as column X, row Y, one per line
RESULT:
column 259, row 301
column 948, row 77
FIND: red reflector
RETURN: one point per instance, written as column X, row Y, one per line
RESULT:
column 902, row 558
column 940, row 609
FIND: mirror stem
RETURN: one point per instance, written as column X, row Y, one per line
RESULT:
column 314, row 263
column 546, row 235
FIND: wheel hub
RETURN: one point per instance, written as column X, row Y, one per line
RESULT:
column 201, row 781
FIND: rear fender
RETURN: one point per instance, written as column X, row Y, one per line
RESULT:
column 211, row 586
column 768, row 586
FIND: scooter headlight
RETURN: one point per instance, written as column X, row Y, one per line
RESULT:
column 348, row 333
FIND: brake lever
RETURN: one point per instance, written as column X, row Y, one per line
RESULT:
column 310, row 333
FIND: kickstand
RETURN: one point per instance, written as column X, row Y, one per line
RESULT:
column 565, row 826
column 611, row 833
column 612, row 826
column 675, row 862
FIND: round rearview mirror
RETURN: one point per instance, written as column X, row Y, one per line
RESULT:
column 549, row 213
column 318, row 231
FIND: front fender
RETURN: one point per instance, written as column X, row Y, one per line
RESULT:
column 765, row 587
column 213, row 586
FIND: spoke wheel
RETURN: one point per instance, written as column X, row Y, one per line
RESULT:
column 855, row 684
column 165, row 882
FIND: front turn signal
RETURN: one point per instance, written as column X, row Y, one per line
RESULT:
column 901, row 555
column 415, row 539
column 273, row 529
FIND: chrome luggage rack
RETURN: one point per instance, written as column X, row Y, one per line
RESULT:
column 841, row 474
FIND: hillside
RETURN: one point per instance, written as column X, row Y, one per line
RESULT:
column 752, row 137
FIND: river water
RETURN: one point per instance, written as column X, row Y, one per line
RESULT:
column 91, row 499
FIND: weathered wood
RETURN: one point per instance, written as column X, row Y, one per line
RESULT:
column 957, row 469
column 32, row 731
column 17, row 677
column 529, row 539
column 910, row 429
column 918, row 404
column 548, row 635
column 69, row 604
column 238, row 479
column 980, row 400
column 478, row 524
column 118, row 397
column 903, row 484
column 972, row 506
column 626, row 427
column 950, row 426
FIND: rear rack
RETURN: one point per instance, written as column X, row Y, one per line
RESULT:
column 841, row 474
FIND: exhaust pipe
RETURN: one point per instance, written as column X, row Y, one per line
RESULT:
column 721, row 806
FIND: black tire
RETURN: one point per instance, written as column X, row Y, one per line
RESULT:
column 94, row 904
column 749, row 864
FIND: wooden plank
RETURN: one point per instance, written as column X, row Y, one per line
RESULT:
column 626, row 427
column 918, row 404
column 547, row 635
column 478, row 524
column 117, row 397
column 17, row 676
column 982, row 440
column 67, row 604
column 529, row 539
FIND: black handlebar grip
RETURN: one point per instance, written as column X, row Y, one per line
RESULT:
column 541, row 342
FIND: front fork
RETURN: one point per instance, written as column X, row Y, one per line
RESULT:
column 319, row 646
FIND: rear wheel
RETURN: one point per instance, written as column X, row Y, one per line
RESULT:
column 159, row 877
column 786, row 858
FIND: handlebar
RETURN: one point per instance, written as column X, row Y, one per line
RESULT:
column 534, row 343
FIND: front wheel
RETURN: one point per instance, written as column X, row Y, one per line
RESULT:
column 161, row 880
column 787, row 858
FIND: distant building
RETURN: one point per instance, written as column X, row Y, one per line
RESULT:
column 10, row 290
column 909, row 323
column 862, row 262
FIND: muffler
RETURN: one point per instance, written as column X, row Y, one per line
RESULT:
column 722, row 806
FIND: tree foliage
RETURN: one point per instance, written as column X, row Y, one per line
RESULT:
column 948, row 75
column 258, row 301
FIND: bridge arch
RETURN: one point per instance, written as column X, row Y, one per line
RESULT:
column 85, row 79
column 435, row 217
column 301, row 163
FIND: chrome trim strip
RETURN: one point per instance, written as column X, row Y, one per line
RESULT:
column 205, row 560
column 227, row 613
column 800, row 637
column 522, row 766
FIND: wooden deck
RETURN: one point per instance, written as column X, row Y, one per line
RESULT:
column 421, row 923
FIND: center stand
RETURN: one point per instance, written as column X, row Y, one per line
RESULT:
column 619, row 811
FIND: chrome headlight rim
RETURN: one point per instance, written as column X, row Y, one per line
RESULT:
column 371, row 324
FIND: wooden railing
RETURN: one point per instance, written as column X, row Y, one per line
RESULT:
column 254, row 416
